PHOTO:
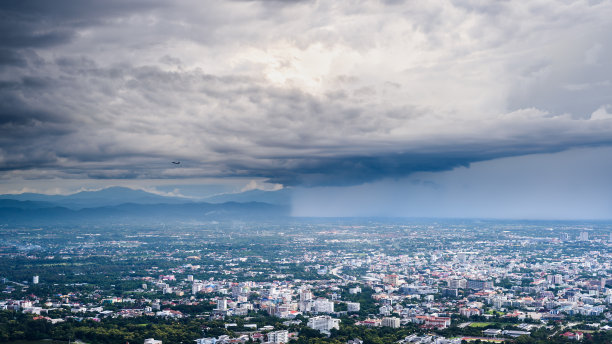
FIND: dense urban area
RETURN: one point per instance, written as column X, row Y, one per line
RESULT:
column 308, row 282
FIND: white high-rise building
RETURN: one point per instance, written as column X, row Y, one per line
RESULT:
column 222, row 304
column 392, row 322
column 584, row 236
column 196, row 288
column 323, row 306
column 278, row 337
column 565, row 236
column 35, row 280
column 306, row 306
column 323, row 323
column 305, row 295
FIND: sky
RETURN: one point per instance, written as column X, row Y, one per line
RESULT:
column 351, row 101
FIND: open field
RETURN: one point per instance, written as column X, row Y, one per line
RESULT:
column 480, row 324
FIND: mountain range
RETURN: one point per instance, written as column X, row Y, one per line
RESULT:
column 124, row 205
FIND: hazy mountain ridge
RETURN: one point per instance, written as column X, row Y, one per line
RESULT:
column 101, row 198
column 126, row 205
column 26, row 213
column 120, row 195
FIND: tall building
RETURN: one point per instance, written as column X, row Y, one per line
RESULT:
column 479, row 284
column 584, row 236
column 196, row 288
column 391, row 279
column 565, row 236
column 457, row 283
column 323, row 323
column 392, row 322
column 35, row 280
column 323, row 306
column 278, row 337
column 450, row 292
column 305, row 295
column 222, row 304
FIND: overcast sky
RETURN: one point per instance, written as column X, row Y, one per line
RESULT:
column 316, row 95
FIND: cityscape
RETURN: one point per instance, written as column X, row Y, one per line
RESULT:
column 342, row 281
column 305, row 172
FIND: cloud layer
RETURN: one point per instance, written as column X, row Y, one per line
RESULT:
column 299, row 93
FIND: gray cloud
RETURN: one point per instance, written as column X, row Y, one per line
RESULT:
column 573, row 184
column 295, row 92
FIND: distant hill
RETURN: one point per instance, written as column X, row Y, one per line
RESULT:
column 42, row 213
column 24, row 205
column 101, row 198
column 124, row 205
column 280, row 197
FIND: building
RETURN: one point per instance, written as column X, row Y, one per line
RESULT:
column 492, row 332
column 515, row 334
column 554, row 279
column 370, row 322
column 584, row 236
column 35, row 280
column 565, row 237
column 353, row 306
column 323, row 323
column 222, row 304
column 323, row 306
column 457, row 283
column 392, row 322
column 305, row 295
column 479, row 284
column 449, row 292
column 385, row 310
column 391, row 279
column 278, row 337
column 437, row 322
column 152, row 341
column 573, row 335
column 196, row 288
column 468, row 312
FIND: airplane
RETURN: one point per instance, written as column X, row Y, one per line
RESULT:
column 176, row 162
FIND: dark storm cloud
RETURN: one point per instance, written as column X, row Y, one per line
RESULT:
column 355, row 170
column 11, row 58
column 295, row 92
column 39, row 23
